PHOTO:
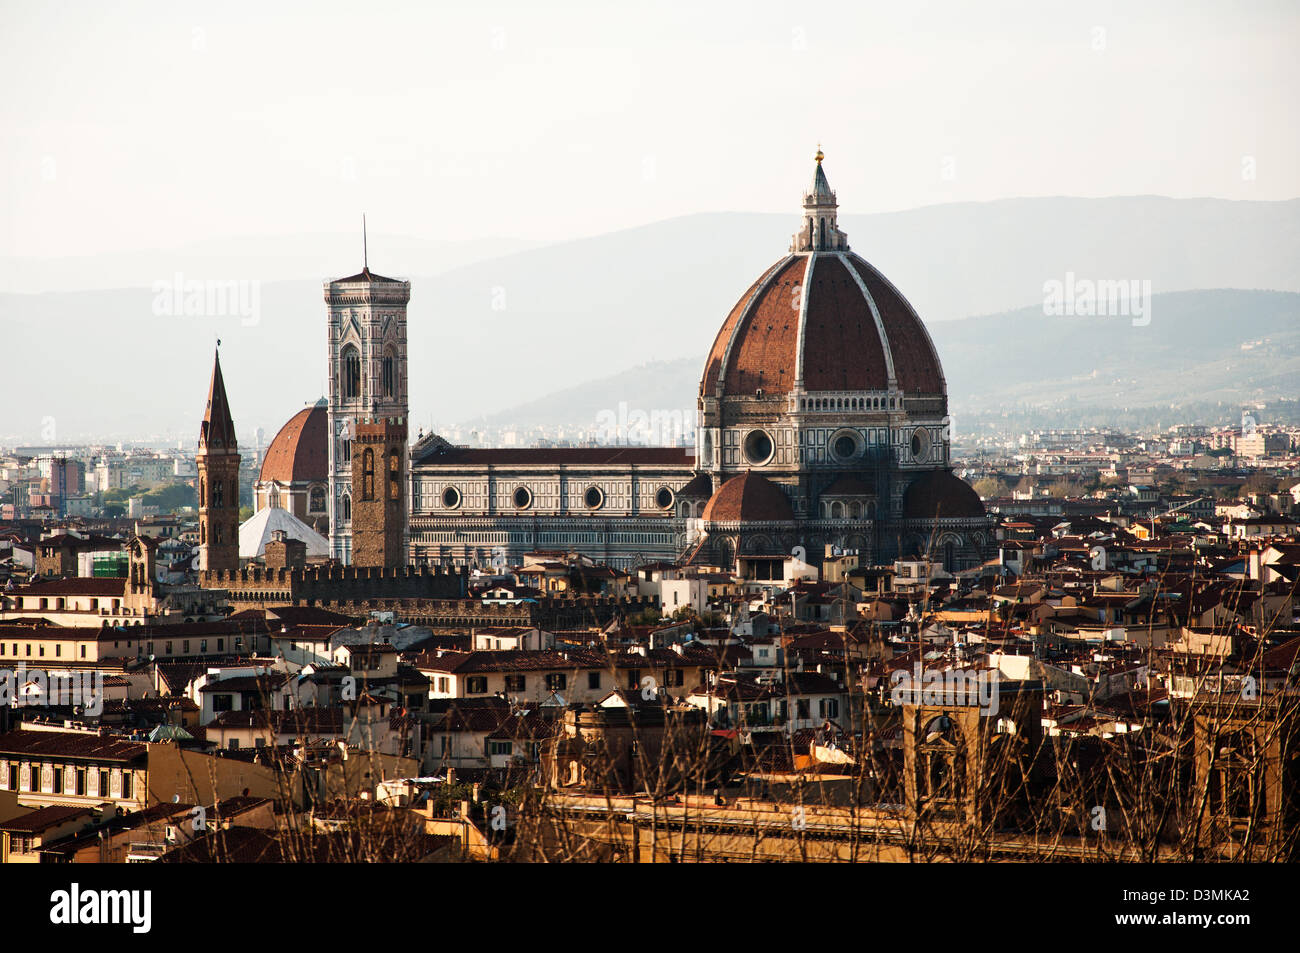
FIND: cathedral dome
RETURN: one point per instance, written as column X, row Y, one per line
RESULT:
column 823, row 319
column 300, row 451
column 940, row 494
column 748, row 498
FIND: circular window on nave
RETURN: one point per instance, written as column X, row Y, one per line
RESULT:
column 451, row 498
column 593, row 498
column 523, row 499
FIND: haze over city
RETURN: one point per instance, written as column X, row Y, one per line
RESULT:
column 665, row 434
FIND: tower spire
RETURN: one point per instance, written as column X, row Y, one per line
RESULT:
column 217, row 429
column 217, row 463
column 365, row 248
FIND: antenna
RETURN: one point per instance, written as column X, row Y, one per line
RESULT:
column 365, row 250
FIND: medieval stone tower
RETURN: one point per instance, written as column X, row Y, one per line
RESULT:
column 367, row 354
column 379, row 481
column 218, row 468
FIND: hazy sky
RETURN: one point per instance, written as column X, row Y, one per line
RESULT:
column 151, row 125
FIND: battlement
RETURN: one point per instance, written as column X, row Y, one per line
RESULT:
column 378, row 429
column 258, row 575
column 326, row 585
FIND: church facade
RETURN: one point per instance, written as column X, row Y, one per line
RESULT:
column 822, row 421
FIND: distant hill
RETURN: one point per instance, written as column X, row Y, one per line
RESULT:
column 282, row 258
column 1191, row 352
column 499, row 333
column 1200, row 345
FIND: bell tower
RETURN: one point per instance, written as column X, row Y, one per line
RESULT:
column 218, row 466
column 367, row 379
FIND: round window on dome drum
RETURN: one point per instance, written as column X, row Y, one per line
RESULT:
column 758, row 447
column 451, row 498
column 664, row 498
column 593, row 497
column 846, row 448
column 920, row 444
column 523, row 498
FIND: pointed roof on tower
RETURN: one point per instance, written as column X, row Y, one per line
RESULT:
column 820, row 193
column 820, row 230
column 218, row 429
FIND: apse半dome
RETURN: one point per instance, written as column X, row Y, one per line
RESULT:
column 748, row 498
column 941, row 494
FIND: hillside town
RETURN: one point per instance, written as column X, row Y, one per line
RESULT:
column 1137, row 603
column 830, row 628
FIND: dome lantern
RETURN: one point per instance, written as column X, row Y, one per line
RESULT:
column 819, row 231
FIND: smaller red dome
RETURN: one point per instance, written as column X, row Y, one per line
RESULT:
column 748, row 499
column 300, row 451
column 940, row 494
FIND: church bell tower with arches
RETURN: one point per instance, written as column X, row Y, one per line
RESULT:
column 367, row 381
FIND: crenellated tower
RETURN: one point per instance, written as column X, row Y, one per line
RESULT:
column 379, row 481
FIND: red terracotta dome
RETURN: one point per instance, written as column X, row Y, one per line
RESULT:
column 940, row 494
column 843, row 345
column 822, row 317
column 300, row 451
column 748, row 498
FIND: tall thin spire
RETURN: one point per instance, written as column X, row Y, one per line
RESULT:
column 218, row 429
column 365, row 246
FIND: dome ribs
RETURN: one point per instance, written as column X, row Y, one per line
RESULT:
column 765, row 340
column 916, row 364
column 842, row 349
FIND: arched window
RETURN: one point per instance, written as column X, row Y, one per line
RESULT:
column 387, row 375
column 941, row 760
column 316, row 500
column 347, row 508
column 203, row 492
column 351, row 371
column 394, row 475
column 217, row 499
column 368, row 474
